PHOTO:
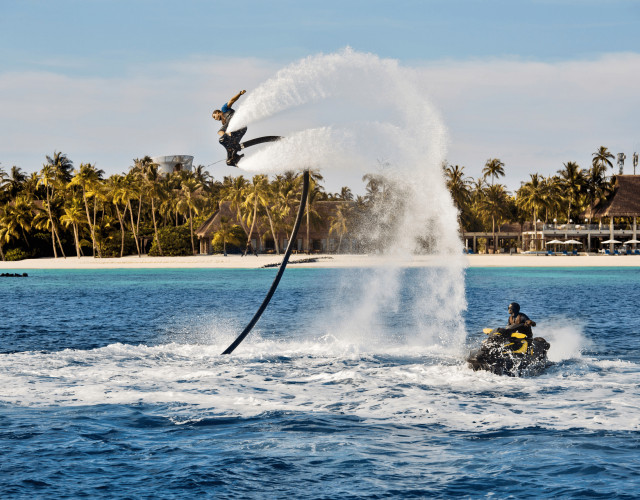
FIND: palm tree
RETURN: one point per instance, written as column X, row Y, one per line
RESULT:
column 285, row 192
column 552, row 195
column 493, row 203
column 226, row 234
column 532, row 197
column 339, row 223
column 375, row 187
column 30, row 186
column 269, row 203
column 189, row 203
column 73, row 216
column 62, row 167
column 87, row 176
column 3, row 182
column 251, row 199
column 4, row 238
column 100, row 194
column 493, row 168
column 18, row 217
column 459, row 187
column 602, row 159
column 596, row 181
column 170, row 200
column 131, row 189
column 140, row 170
column 202, row 176
column 233, row 191
column 572, row 182
column 345, row 194
column 114, row 188
column 15, row 180
column 259, row 192
column 48, row 179
column 154, row 190
column 7, row 230
column 315, row 193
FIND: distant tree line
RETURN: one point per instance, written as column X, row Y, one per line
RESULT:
column 61, row 211
column 484, row 204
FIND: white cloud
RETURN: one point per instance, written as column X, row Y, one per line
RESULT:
column 535, row 116
column 532, row 115
column 159, row 109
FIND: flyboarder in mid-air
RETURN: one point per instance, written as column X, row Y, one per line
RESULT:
column 230, row 140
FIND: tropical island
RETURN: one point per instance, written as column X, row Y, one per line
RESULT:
column 62, row 211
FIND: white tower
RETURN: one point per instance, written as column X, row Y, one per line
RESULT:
column 174, row 163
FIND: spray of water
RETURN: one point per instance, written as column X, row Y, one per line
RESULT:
column 566, row 338
column 372, row 115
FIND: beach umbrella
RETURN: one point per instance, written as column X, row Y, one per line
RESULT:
column 608, row 242
column 573, row 242
column 554, row 242
column 631, row 242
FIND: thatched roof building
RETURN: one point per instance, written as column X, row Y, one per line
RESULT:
column 624, row 201
column 210, row 226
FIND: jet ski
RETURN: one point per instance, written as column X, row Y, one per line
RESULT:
column 496, row 354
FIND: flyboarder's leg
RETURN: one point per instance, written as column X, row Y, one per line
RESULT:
column 231, row 143
column 238, row 134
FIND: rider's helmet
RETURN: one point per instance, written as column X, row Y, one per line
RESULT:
column 514, row 308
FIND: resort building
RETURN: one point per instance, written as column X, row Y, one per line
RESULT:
column 619, row 210
column 604, row 227
column 510, row 232
column 320, row 241
column 174, row 163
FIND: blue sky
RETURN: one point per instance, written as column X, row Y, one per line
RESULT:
column 114, row 34
column 69, row 68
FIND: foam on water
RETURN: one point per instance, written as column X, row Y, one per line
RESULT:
column 413, row 385
column 374, row 113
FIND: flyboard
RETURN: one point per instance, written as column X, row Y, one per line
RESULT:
column 232, row 144
column 293, row 240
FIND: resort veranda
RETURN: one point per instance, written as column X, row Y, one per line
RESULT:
column 609, row 226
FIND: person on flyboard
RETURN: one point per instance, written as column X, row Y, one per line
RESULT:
column 230, row 140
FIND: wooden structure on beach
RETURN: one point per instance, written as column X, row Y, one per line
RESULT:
column 624, row 201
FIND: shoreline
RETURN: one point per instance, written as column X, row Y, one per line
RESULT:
column 320, row 261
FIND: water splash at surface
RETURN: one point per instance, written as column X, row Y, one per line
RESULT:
column 371, row 113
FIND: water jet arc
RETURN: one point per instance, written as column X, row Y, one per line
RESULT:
column 274, row 285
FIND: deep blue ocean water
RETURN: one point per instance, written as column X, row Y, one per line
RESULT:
column 112, row 386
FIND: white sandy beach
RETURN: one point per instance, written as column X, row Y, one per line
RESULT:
column 319, row 261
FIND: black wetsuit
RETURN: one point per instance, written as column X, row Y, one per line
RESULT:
column 517, row 323
column 517, row 335
column 231, row 142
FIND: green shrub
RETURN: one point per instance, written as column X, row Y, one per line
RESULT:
column 110, row 245
column 16, row 254
column 236, row 238
column 174, row 241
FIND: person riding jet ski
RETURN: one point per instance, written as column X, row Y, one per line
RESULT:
column 511, row 350
column 518, row 329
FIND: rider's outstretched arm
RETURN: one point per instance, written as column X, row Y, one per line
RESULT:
column 235, row 98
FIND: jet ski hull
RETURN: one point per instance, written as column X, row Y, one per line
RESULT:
column 494, row 357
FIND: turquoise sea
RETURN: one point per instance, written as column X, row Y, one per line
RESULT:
column 112, row 386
